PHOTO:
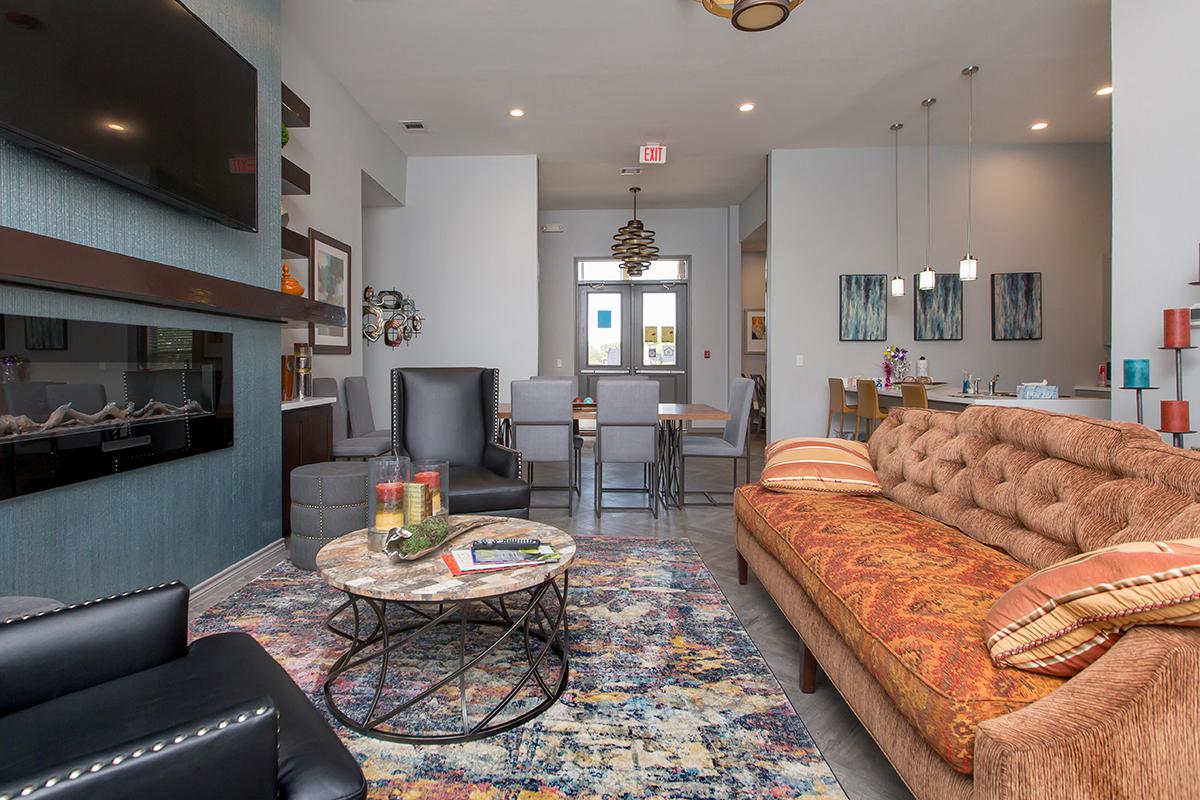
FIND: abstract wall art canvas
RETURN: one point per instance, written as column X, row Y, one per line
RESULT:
column 938, row 312
column 329, row 282
column 1016, row 306
column 863, row 308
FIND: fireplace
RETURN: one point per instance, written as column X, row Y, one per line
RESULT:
column 82, row 399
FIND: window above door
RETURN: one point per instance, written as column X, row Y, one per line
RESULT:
column 606, row 270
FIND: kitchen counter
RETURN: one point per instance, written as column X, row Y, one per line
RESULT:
column 950, row 397
column 308, row 402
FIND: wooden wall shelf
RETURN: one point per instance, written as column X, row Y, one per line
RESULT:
column 296, row 113
column 294, row 180
column 293, row 244
column 29, row 259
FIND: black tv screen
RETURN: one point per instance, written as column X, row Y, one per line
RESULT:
column 138, row 91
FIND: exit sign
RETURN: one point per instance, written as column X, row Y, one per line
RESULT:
column 653, row 154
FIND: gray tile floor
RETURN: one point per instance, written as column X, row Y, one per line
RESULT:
column 862, row 769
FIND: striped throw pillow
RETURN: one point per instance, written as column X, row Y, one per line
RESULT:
column 1064, row 617
column 819, row 465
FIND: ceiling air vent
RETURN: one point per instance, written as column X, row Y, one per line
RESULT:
column 630, row 171
column 413, row 124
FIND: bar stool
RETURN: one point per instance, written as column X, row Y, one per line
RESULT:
column 913, row 395
column 837, row 405
column 868, row 407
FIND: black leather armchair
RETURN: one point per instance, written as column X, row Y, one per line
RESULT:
column 107, row 700
column 449, row 414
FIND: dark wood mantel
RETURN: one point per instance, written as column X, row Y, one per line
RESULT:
column 30, row 259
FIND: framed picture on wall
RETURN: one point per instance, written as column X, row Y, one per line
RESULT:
column 43, row 333
column 1016, row 306
column 329, row 282
column 755, row 333
column 862, row 308
column 938, row 312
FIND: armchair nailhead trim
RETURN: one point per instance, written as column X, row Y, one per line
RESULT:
column 86, row 603
column 79, row 772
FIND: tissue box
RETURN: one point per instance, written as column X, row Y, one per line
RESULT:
column 1037, row 391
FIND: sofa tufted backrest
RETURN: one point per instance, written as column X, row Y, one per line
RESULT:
column 1040, row 486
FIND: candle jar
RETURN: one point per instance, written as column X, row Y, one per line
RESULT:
column 431, row 499
column 387, row 477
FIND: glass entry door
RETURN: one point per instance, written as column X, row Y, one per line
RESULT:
column 634, row 329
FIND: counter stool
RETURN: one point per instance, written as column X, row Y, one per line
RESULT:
column 868, row 408
column 913, row 395
column 837, row 405
column 328, row 500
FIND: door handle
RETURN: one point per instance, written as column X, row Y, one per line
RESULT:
column 660, row 372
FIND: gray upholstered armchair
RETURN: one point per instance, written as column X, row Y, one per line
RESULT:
column 449, row 414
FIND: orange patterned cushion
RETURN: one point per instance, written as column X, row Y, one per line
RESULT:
column 909, row 596
column 1062, row 618
column 819, row 465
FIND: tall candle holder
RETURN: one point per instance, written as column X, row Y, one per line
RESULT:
column 1177, row 435
column 1139, row 390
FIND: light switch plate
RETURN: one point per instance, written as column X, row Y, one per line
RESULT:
column 799, row 361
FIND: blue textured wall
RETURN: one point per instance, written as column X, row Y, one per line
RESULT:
column 190, row 518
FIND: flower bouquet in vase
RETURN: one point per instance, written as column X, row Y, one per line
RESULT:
column 895, row 365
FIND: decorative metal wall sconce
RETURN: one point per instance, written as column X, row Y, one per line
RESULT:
column 391, row 316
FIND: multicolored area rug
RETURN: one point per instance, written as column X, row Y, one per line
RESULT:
column 668, row 696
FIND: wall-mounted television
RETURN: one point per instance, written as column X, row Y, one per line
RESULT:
column 140, row 92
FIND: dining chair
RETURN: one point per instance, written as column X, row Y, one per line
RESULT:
column 868, row 407
column 345, row 447
column 358, row 406
column 731, row 444
column 627, row 433
column 542, row 429
column 577, row 440
column 838, row 405
column 913, row 395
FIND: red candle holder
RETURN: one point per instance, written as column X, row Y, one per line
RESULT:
column 1177, row 327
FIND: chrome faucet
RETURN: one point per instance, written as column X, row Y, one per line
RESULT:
column 992, row 384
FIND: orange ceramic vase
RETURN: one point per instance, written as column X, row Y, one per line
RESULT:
column 288, row 284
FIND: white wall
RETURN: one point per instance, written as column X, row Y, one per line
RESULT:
column 341, row 144
column 754, row 295
column 1156, row 180
column 465, row 248
column 753, row 211
column 701, row 233
column 1037, row 208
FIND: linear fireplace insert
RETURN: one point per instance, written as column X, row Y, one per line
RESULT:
column 81, row 399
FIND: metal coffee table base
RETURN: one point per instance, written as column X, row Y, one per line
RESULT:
column 541, row 625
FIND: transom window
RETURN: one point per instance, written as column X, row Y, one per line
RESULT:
column 607, row 270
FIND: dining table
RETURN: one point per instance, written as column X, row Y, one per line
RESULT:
column 672, row 419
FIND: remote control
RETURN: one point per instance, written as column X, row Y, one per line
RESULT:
column 505, row 544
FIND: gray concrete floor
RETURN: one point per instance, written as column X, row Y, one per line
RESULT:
column 858, row 763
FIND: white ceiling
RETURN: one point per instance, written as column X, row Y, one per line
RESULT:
column 599, row 77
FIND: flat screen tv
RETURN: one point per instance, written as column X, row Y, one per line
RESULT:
column 140, row 92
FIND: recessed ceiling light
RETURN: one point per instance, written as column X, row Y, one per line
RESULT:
column 516, row 112
column 1039, row 126
column 1104, row 91
column 746, row 107
column 114, row 126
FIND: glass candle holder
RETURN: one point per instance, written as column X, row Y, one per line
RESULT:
column 388, row 477
column 427, row 495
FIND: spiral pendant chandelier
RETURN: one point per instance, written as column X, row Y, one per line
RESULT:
column 752, row 15
column 634, row 246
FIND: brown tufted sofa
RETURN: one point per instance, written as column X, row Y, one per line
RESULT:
column 889, row 594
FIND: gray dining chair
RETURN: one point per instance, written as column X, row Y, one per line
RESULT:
column 543, row 432
column 344, row 446
column 577, row 440
column 627, row 433
column 358, row 406
column 731, row 444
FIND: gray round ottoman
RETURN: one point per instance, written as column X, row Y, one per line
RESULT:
column 328, row 500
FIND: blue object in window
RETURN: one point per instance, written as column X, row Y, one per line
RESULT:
column 604, row 319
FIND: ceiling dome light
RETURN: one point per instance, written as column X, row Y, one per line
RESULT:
column 1039, row 126
column 516, row 112
column 752, row 15
column 746, row 107
column 1104, row 91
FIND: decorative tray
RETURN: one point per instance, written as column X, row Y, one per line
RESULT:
column 393, row 544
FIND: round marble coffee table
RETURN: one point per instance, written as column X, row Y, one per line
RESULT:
column 525, row 607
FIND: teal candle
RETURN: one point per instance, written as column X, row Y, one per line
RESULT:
column 1137, row 373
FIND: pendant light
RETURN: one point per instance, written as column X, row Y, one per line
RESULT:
column 928, row 277
column 898, row 280
column 968, row 268
column 634, row 246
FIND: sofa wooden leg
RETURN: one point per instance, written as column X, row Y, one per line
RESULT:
column 743, row 570
column 808, row 670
